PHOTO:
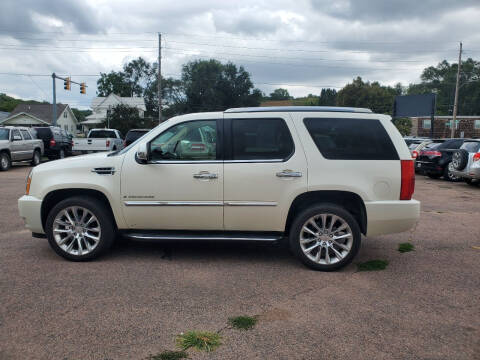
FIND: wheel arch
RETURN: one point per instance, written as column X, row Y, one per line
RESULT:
column 55, row 196
column 350, row 201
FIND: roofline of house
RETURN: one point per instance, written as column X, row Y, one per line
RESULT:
column 24, row 113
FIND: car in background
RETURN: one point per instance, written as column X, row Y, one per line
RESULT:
column 435, row 159
column 417, row 145
column 133, row 135
column 19, row 144
column 99, row 140
column 56, row 141
column 466, row 162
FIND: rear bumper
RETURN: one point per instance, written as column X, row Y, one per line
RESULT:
column 387, row 217
column 429, row 167
column 29, row 208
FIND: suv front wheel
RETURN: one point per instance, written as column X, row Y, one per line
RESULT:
column 80, row 228
column 325, row 237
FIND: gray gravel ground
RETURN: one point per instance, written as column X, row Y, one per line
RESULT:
column 135, row 300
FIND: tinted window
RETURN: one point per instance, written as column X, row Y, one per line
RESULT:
column 26, row 135
column 193, row 140
column 15, row 132
column 261, row 139
column 451, row 144
column 351, row 139
column 102, row 134
column 471, row 146
column 43, row 132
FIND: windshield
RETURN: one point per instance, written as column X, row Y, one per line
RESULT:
column 102, row 134
column 4, row 134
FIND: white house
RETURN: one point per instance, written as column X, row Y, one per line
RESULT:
column 41, row 115
column 101, row 106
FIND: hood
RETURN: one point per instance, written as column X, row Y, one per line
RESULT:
column 100, row 159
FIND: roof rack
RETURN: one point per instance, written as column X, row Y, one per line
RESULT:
column 299, row 109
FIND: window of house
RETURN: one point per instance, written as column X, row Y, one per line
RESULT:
column 193, row 140
column 427, row 124
column 351, row 139
column 65, row 114
column 448, row 124
column 65, row 127
column 261, row 139
column 476, row 125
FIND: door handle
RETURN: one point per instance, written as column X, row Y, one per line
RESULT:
column 289, row 174
column 205, row 176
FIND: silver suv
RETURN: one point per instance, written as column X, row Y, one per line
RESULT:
column 19, row 144
column 466, row 162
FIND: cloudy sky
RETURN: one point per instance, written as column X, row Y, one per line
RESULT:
column 300, row 45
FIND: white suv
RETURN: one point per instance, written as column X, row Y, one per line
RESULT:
column 319, row 177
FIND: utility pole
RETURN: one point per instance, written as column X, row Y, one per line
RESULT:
column 455, row 104
column 159, row 81
column 54, row 112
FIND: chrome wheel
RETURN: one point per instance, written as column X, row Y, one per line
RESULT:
column 456, row 158
column 326, row 238
column 451, row 176
column 76, row 230
column 4, row 161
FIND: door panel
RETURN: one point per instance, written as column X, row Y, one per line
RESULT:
column 181, row 187
column 17, row 147
column 258, row 192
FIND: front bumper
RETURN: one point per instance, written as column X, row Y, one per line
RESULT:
column 387, row 217
column 472, row 173
column 30, row 211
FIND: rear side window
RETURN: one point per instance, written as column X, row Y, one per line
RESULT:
column 261, row 139
column 43, row 133
column 26, row 135
column 351, row 139
column 471, row 146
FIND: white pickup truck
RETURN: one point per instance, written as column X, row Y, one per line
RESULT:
column 99, row 140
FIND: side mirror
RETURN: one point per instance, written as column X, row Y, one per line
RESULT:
column 142, row 153
column 17, row 138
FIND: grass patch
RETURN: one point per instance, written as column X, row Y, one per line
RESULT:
column 405, row 247
column 243, row 322
column 373, row 265
column 169, row 355
column 200, row 340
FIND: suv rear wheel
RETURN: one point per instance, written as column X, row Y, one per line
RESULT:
column 80, row 228
column 36, row 158
column 5, row 161
column 325, row 237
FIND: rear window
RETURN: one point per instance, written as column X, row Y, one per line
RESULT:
column 43, row 132
column 101, row 134
column 451, row 144
column 351, row 139
column 471, row 146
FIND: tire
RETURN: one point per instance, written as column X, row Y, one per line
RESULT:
column 326, row 241
column 5, row 161
column 460, row 159
column 434, row 176
column 70, row 249
column 447, row 174
column 472, row 182
column 36, row 158
column 61, row 154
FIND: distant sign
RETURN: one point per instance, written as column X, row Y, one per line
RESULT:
column 414, row 105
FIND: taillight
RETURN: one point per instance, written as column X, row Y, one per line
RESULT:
column 408, row 179
column 73, row 143
column 108, row 143
column 431, row 153
column 476, row 157
column 414, row 154
column 52, row 143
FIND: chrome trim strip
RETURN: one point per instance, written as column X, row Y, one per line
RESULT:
column 254, row 161
column 186, row 162
column 205, row 237
column 251, row 203
column 173, row 203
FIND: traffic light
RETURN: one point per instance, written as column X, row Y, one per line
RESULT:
column 66, row 84
column 83, row 89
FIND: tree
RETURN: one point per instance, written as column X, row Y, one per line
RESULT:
column 81, row 114
column 209, row 85
column 280, row 94
column 124, row 117
column 404, row 125
column 113, row 82
column 328, row 97
column 374, row 96
column 441, row 80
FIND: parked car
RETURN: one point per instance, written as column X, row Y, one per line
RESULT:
column 466, row 162
column 317, row 177
column 99, row 140
column 19, row 144
column 56, row 141
column 435, row 159
column 133, row 135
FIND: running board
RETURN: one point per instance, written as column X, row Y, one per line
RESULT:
column 212, row 236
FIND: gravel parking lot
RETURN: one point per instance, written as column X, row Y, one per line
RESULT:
column 134, row 301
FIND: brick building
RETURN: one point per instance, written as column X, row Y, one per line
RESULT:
column 466, row 126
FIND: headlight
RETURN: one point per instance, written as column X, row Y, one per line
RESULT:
column 28, row 182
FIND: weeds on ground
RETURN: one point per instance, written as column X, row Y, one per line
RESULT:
column 200, row 340
column 405, row 247
column 243, row 322
column 372, row 265
column 168, row 355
